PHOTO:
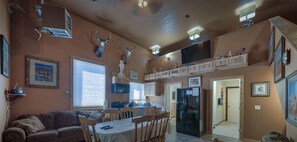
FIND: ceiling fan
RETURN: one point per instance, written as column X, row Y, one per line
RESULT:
column 143, row 7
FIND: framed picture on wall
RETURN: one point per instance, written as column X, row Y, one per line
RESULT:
column 279, row 68
column 41, row 72
column 260, row 89
column 195, row 81
column 291, row 99
column 5, row 63
column 133, row 75
column 271, row 49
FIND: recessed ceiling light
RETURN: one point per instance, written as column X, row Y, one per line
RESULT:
column 142, row 3
column 247, row 13
column 156, row 49
column 194, row 33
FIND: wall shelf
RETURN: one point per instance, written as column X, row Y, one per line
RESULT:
column 11, row 97
column 210, row 66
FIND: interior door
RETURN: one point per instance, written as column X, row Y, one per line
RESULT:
column 233, row 104
column 170, row 100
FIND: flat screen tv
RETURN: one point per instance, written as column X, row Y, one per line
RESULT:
column 196, row 52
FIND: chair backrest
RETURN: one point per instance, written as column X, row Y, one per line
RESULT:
column 161, row 124
column 110, row 115
column 152, row 111
column 127, row 113
column 144, row 127
column 86, row 124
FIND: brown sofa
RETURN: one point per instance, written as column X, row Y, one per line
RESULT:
column 62, row 126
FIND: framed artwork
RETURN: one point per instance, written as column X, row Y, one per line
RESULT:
column 279, row 68
column 134, row 75
column 260, row 89
column 271, row 49
column 5, row 63
column 195, row 81
column 42, row 73
column 291, row 99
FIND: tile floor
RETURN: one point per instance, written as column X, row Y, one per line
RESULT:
column 179, row 137
column 227, row 128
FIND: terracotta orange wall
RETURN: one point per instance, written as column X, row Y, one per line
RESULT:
column 4, row 82
column 24, row 42
column 255, row 40
column 291, row 130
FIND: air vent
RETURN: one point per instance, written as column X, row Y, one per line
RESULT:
column 57, row 21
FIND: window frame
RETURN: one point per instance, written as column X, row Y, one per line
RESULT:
column 144, row 97
column 70, row 93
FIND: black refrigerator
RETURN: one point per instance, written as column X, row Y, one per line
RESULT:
column 188, row 113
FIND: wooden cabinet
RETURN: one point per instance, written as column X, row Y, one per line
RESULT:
column 151, row 89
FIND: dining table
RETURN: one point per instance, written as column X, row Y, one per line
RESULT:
column 118, row 131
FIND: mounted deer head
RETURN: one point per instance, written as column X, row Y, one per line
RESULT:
column 127, row 54
column 101, row 44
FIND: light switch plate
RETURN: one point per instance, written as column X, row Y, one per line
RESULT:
column 257, row 107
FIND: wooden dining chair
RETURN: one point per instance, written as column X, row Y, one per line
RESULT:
column 127, row 113
column 87, row 124
column 152, row 111
column 160, row 128
column 144, row 125
column 110, row 115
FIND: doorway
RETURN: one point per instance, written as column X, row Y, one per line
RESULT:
column 171, row 96
column 226, row 110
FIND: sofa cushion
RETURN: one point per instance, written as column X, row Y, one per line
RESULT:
column 31, row 124
column 70, row 131
column 43, row 136
column 48, row 120
column 66, row 118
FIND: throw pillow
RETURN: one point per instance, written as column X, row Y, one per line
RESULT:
column 31, row 124
column 95, row 115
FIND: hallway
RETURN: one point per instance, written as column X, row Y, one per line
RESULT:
column 227, row 128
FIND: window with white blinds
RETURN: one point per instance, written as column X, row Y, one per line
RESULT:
column 136, row 91
column 88, row 84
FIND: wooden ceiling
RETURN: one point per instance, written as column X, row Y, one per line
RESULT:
column 164, row 22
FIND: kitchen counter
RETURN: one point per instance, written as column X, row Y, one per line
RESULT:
column 141, row 109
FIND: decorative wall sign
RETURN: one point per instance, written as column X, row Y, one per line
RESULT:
column 260, row 89
column 271, row 46
column 195, row 81
column 279, row 68
column 291, row 98
column 5, row 63
column 41, row 72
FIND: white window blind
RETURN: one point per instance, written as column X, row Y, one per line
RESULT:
column 88, row 84
column 136, row 91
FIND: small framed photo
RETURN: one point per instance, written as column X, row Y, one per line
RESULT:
column 5, row 62
column 271, row 49
column 41, row 73
column 134, row 75
column 195, row 81
column 260, row 89
column 279, row 68
column 291, row 99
